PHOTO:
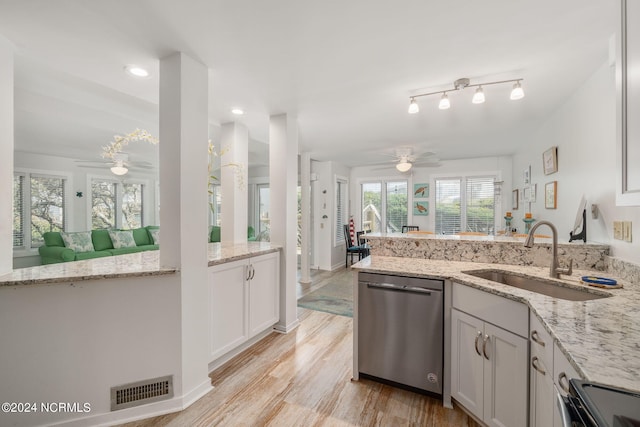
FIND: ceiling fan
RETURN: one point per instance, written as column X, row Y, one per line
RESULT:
column 119, row 164
column 405, row 159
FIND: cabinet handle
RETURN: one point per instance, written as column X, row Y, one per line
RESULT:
column 248, row 275
column 476, row 343
column 536, row 338
column 484, row 346
column 563, row 385
column 534, row 363
column 253, row 272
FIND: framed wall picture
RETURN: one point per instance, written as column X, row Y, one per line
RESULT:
column 529, row 193
column 420, row 191
column 421, row 208
column 526, row 176
column 514, row 199
column 551, row 195
column 550, row 160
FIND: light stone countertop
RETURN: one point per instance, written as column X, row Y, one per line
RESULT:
column 601, row 338
column 130, row 265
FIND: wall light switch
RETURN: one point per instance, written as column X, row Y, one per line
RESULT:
column 626, row 231
column 617, row 230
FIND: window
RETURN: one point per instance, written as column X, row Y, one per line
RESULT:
column 263, row 208
column 389, row 207
column 42, row 199
column 341, row 210
column 465, row 204
column 116, row 205
column 215, row 204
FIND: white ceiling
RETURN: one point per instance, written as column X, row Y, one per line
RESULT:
column 345, row 68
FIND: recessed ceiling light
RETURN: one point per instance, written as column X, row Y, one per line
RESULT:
column 237, row 111
column 137, row 71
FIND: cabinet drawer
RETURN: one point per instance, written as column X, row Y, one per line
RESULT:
column 541, row 341
column 505, row 313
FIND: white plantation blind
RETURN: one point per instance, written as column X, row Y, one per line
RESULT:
column 341, row 210
column 448, row 207
column 18, row 211
column 480, row 204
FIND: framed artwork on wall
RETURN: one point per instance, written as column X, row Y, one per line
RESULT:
column 420, row 191
column 421, row 208
column 551, row 195
column 514, row 199
column 550, row 161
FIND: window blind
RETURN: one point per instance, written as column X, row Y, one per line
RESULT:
column 480, row 206
column 341, row 211
column 18, row 211
column 396, row 206
column 448, row 208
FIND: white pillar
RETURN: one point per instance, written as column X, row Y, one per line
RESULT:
column 233, row 177
column 305, row 184
column 183, row 211
column 283, row 182
column 6, row 156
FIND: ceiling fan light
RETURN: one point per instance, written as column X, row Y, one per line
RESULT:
column 119, row 170
column 444, row 102
column 478, row 97
column 403, row 166
column 413, row 107
column 517, row 92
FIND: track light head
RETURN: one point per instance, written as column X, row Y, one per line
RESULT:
column 517, row 92
column 478, row 97
column 413, row 106
column 444, row 102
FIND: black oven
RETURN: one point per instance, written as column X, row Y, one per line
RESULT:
column 595, row 405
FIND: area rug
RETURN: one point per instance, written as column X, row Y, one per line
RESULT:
column 334, row 297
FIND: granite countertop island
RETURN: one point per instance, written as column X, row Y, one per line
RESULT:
column 131, row 265
column 600, row 337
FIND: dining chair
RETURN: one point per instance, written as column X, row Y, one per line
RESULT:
column 362, row 242
column 406, row 228
column 351, row 248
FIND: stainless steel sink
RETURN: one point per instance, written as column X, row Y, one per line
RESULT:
column 538, row 285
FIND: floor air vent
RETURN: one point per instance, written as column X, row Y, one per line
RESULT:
column 141, row 392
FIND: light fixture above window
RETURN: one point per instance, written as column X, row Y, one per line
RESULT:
column 478, row 97
column 137, row 71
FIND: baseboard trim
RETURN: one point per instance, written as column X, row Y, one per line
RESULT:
column 236, row 351
column 285, row 329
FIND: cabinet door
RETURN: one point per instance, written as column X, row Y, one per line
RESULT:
column 541, row 391
column 264, row 295
column 505, row 377
column 227, row 302
column 467, row 361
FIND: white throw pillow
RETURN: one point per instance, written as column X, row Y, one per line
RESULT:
column 122, row 239
column 155, row 235
column 79, row 241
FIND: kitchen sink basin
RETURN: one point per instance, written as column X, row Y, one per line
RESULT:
column 538, row 285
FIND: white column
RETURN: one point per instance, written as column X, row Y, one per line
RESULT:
column 183, row 210
column 283, row 182
column 305, row 184
column 233, row 177
column 6, row 156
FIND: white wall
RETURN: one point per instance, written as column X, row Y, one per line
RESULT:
column 584, row 131
column 74, row 341
column 499, row 166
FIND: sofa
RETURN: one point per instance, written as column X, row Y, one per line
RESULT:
column 214, row 235
column 55, row 250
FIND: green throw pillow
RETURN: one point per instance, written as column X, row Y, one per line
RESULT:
column 79, row 241
column 122, row 239
column 155, row 235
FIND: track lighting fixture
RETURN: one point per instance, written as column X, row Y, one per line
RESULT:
column 478, row 97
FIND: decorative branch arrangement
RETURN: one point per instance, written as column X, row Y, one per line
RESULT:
column 116, row 146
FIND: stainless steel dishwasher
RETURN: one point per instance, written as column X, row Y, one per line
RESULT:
column 400, row 330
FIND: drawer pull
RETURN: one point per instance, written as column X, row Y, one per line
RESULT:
column 534, row 363
column 536, row 338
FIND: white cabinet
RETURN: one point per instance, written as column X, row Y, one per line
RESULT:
column 489, row 370
column 243, row 301
column 541, row 392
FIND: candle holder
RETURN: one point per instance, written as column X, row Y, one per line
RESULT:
column 507, row 222
column 527, row 224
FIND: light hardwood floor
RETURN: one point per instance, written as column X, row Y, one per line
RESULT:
column 304, row 379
